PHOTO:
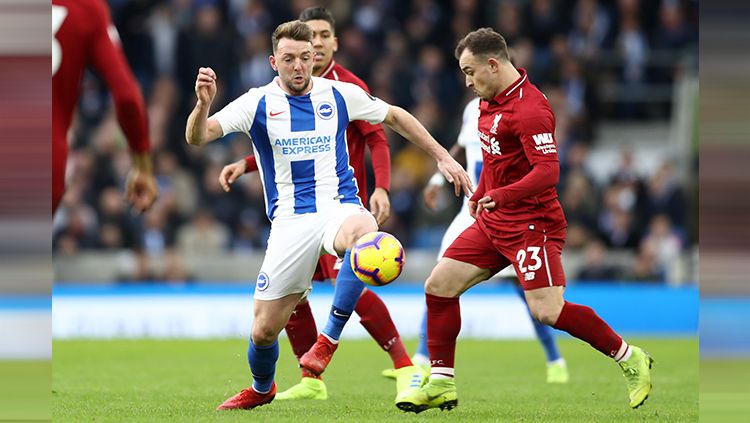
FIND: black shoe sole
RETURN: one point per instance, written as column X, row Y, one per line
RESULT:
column 416, row 409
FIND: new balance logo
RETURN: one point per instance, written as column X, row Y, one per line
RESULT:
column 545, row 143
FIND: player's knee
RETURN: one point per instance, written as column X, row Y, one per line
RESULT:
column 358, row 229
column 546, row 312
column 264, row 335
column 438, row 284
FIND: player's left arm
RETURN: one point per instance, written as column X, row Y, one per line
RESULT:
column 536, row 133
column 409, row 127
column 380, row 153
column 363, row 106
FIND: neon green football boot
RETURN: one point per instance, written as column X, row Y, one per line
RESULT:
column 307, row 388
column 557, row 372
column 418, row 360
column 408, row 380
column 637, row 372
column 438, row 393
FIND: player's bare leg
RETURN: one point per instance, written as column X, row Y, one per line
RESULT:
column 269, row 317
column 346, row 294
column 549, row 307
column 449, row 279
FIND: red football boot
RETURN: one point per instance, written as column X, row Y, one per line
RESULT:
column 317, row 358
column 248, row 398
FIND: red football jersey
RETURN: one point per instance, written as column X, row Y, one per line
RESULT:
column 358, row 133
column 516, row 130
column 83, row 35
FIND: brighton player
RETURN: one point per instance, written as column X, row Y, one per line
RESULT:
column 519, row 221
column 83, row 34
column 297, row 124
column 373, row 314
column 468, row 142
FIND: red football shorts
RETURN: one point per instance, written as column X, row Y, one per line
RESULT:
column 534, row 253
column 325, row 270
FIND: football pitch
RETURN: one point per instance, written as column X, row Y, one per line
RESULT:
column 184, row 381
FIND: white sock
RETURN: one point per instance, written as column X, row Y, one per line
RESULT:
column 420, row 359
column 442, row 373
column 560, row 361
column 623, row 353
column 333, row 341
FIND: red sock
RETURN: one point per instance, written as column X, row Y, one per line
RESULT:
column 376, row 319
column 443, row 325
column 581, row 322
column 302, row 332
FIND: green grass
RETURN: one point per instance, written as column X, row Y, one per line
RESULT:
column 24, row 390
column 725, row 390
column 183, row 381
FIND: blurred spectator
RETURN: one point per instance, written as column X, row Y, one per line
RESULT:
column 666, row 196
column 664, row 243
column 202, row 235
column 595, row 267
column 404, row 51
column 644, row 269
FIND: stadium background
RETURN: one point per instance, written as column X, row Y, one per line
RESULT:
column 621, row 76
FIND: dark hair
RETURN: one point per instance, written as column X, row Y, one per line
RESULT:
column 318, row 13
column 295, row 30
column 484, row 42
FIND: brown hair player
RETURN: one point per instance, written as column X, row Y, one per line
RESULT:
column 518, row 221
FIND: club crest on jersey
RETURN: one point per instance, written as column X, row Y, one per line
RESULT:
column 495, row 122
column 325, row 110
column 263, row 281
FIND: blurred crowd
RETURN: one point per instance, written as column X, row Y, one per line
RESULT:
column 595, row 60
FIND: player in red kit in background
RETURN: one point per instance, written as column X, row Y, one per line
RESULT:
column 83, row 35
column 519, row 221
column 374, row 315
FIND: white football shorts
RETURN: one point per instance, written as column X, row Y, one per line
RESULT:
column 294, row 246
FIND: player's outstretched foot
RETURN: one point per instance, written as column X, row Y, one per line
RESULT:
column 637, row 372
column 247, row 399
column 409, row 379
column 439, row 393
column 317, row 358
column 557, row 372
column 307, row 388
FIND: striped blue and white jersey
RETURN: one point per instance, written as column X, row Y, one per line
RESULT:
column 300, row 142
column 468, row 138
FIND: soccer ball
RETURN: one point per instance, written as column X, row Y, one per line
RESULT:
column 377, row 258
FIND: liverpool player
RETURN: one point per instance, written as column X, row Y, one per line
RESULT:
column 519, row 221
column 374, row 315
column 83, row 35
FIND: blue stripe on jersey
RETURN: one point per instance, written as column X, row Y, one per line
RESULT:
column 259, row 135
column 303, row 115
column 303, row 178
column 478, row 170
column 347, row 183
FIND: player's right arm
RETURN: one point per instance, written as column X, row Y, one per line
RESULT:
column 200, row 129
column 232, row 171
column 107, row 58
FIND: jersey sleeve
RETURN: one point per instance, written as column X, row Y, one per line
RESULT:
column 238, row 115
column 469, row 124
column 380, row 152
column 109, row 61
column 537, row 134
column 360, row 105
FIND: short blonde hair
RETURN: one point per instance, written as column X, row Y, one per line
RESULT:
column 295, row 30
